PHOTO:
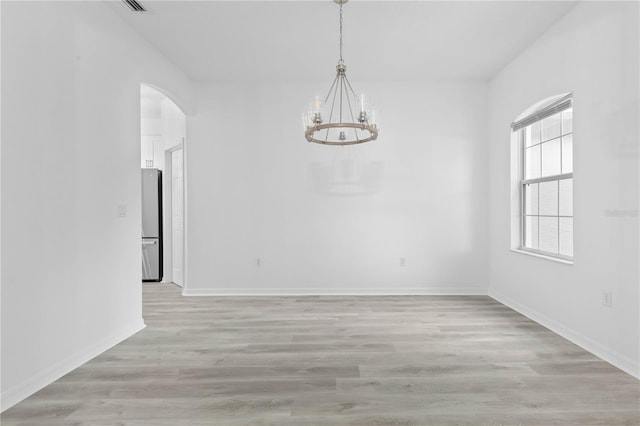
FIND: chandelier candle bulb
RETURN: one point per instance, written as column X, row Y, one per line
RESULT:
column 330, row 119
column 363, row 103
column 316, row 104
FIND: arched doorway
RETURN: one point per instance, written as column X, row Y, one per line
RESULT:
column 162, row 151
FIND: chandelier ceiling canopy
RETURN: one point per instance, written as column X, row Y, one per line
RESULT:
column 341, row 117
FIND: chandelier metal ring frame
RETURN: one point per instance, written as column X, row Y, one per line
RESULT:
column 355, row 123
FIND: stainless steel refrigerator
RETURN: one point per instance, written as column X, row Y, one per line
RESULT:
column 151, row 225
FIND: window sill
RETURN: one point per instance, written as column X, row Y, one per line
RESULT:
column 542, row 256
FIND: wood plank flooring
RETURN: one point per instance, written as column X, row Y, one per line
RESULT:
column 402, row 360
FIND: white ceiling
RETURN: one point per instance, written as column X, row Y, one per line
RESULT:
column 383, row 40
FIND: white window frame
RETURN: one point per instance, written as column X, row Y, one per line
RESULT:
column 518, row 128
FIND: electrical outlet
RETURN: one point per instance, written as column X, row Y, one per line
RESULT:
column 258, row 261
column 607, row 299
column 402, row 261
column 121, row 210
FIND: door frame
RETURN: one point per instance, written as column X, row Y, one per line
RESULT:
column 168, row 216
column 187, row 109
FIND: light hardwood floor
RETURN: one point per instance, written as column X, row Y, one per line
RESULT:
column 408, row 360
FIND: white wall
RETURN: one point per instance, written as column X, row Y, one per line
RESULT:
column 337, row 220
column 151, row 127
column 593, row 52
column 173, row 124
column 71, row 75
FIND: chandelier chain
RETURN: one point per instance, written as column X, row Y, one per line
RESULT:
column 341, row 60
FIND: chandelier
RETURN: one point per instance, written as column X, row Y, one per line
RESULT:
column 341, row 117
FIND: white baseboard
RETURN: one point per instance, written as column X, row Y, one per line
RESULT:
column 47, row 376
column 616, row 359
column 340, row 291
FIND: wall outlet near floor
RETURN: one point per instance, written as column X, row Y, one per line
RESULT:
column 121, row 210
column 402, row 261
column 607, row 299
column 258, row 261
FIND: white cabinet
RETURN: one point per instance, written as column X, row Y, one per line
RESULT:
column 152, row 153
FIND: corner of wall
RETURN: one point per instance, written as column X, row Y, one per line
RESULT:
column 618, row 360
column 43, row 378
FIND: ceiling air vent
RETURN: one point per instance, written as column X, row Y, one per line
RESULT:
column 134, row 5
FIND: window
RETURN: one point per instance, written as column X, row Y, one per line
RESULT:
column 545, row 139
